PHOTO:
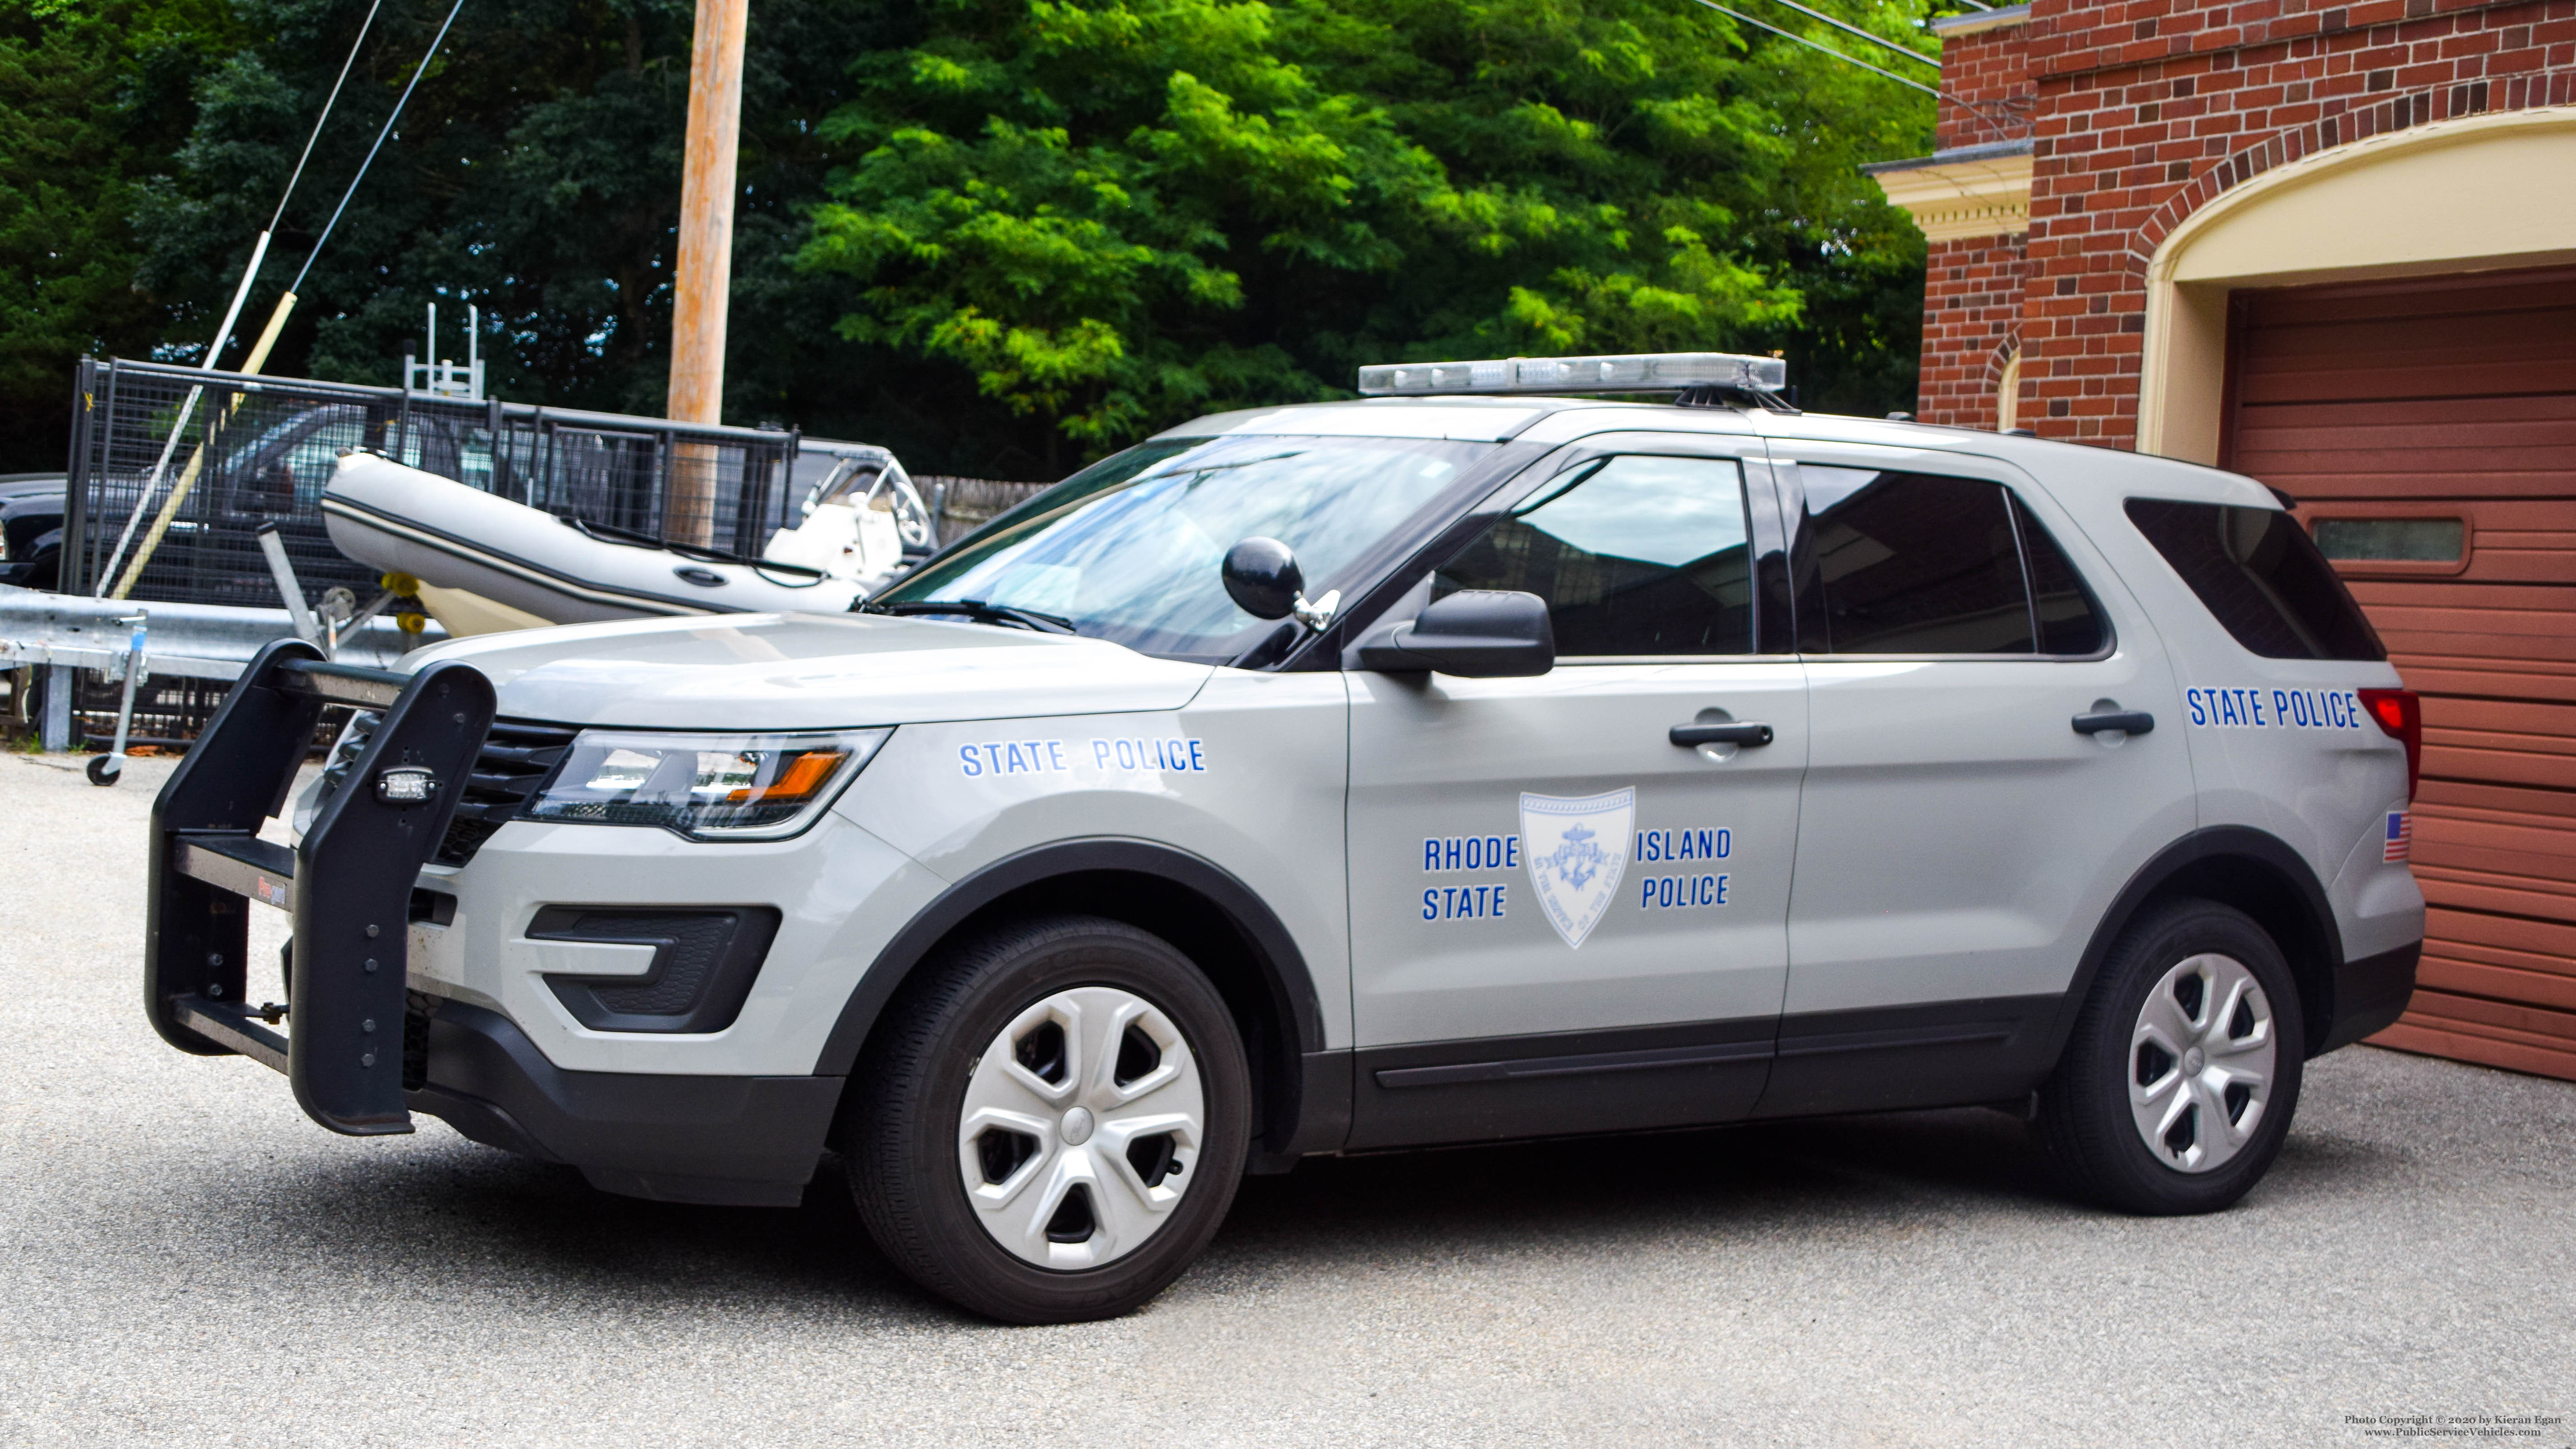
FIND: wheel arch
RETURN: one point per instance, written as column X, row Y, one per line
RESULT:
column 2255, row 872
column 1221, row 924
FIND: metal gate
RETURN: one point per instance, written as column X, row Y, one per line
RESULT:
column 182, row 468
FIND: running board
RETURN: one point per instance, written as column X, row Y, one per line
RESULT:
column 348, row 885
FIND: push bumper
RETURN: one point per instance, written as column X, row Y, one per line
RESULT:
column 2371, row 993
column 364, row 1051
column 348, row 884
column 738, row 1141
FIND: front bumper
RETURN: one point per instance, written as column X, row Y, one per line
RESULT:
column 424, row 988
column 838, row 891
column 741, row 1141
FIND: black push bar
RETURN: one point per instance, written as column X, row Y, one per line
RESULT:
column 348, row 885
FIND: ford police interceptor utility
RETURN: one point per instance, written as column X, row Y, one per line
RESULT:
column 1474, row 761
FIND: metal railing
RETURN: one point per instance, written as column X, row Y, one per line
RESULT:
column 74, row 653
column 962, row 505
column 173, row 472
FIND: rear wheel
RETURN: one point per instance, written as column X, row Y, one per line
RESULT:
column 1053, row 1121
column 2178, row 1083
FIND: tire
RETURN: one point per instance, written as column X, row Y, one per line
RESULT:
column 2181, row 1076
column 103, row 769
column 1049, row 1060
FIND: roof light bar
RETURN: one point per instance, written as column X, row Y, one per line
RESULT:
column 1634, row 372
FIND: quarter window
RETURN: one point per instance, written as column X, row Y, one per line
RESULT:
column 2262, row 577
column 1635, row 555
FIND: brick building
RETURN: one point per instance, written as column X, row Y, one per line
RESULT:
column 2332, row 245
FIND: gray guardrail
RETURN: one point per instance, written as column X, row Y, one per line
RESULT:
column 195, row 641
column 189, row 641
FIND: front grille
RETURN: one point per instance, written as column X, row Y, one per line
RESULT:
column 516, row 758
column 344, row 756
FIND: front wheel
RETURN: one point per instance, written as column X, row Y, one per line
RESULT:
column 2178, row 1083
column 1053, row 1121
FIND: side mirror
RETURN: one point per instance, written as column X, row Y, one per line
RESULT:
column 1262, row 577
column 1473, row 634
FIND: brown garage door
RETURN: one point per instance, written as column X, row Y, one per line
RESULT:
column 2428, row 429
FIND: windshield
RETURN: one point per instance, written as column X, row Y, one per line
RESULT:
column 1129, row 548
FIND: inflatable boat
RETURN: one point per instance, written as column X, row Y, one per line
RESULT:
column 863, row 518
column 487, row 564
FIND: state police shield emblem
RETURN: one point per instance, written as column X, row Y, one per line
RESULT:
column 1577, row 849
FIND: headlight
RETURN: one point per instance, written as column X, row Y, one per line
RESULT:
column 705, row 786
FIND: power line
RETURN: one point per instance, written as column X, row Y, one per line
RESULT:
column 1988, row 116
column 1879, row 40
column 387, row 130
column 223, row 337
column 1811, row 45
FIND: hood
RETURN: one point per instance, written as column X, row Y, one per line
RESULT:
column 810, row 671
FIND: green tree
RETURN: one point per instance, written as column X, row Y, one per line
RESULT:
column 87, row 98
column 1117, row 212
column 534, row 175
column 996, row 235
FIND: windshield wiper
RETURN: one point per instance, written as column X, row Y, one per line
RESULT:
column 980, row 611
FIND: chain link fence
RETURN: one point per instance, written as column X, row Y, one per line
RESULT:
column 175, row 471
column 963, row 505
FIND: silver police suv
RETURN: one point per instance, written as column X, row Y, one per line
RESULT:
column 1476, row 761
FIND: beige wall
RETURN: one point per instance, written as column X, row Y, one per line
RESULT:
column 2473, row 194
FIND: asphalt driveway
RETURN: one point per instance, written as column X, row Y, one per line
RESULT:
column 185, row 1259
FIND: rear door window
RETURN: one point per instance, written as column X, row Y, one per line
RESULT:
column 1894, row 562
column 2262, row 577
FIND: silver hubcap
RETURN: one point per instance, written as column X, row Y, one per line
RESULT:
column 2201, row 1063
column 1081, row 1128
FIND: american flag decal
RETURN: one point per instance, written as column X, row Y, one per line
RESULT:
column 2401, row 836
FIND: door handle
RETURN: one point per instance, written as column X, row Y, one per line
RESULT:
column 1721, row 734
column 2126, row 721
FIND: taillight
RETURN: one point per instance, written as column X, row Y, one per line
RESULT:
column 2400, row 713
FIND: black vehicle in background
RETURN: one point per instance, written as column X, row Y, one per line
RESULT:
column 275, row 473
column 31, row 529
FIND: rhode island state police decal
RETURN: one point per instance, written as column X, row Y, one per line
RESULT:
column 1577, row 849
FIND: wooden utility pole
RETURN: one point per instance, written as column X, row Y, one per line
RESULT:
column 704, row 274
